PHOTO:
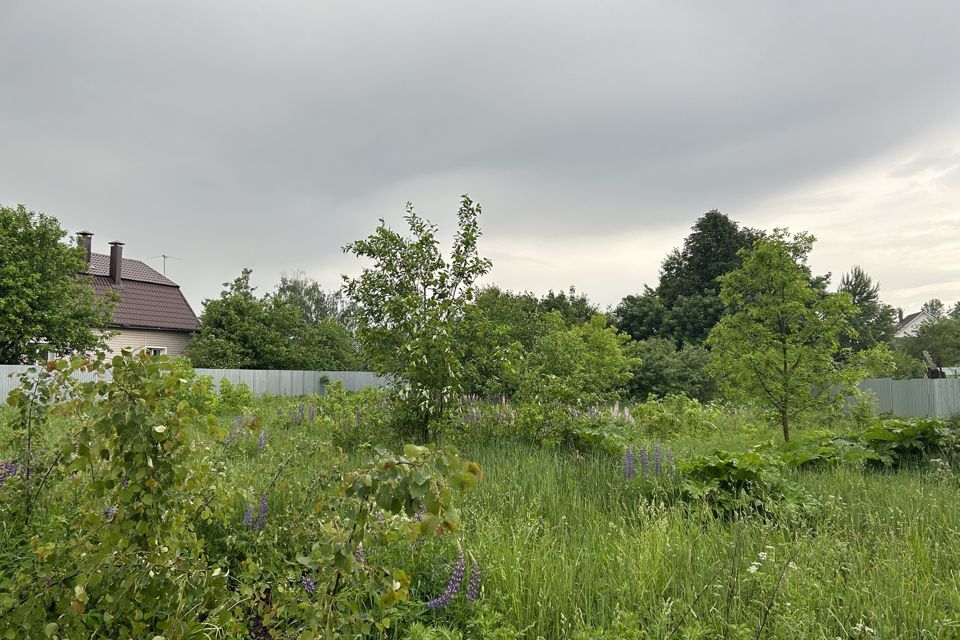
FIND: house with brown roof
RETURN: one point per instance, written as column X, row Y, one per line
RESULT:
column 151, row 313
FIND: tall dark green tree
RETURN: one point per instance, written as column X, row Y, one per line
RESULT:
column 686, row 303
column 45, row 302
column 708, row 252
column 642, row 316
column 873, row 322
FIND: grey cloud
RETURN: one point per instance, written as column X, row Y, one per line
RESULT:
column 262, row 134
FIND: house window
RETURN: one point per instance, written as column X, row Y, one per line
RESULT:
column 156, row 351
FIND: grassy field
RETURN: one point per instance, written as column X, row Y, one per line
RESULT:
column 572, row 547
column 569, row 548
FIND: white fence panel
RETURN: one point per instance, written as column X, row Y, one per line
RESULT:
column 278, row 383
column 919, row 398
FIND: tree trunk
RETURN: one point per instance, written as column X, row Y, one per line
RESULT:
column 425, row 428
column 785, row 422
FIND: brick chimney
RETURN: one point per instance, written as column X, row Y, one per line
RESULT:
column 116, row 262
column 85, row 242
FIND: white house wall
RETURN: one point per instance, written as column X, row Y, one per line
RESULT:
column 174, row 341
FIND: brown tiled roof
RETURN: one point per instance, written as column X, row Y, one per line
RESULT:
column 131, row 270
column 148, row 300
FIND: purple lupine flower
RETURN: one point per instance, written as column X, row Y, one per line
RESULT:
column 8, row 469
column 380, row 518
column 473, row 587
column 308, row 585
column 313, row 413
column 359, row 555
column 644, row 462
column 421, row 513
column 629, row 464
column 248, row 516
column 261, row 520
column 657, row 459
column 453, row 584
column 109, row 512
column 262, row 444
column 124, row 482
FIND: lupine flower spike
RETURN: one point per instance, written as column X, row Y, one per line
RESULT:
column 473, row 587
column 629, row 464
column 453, row 584
column 308, row 585
column 261, row 520
column 262, row 444
column 8, row 469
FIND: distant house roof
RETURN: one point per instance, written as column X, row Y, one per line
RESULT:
column 910, row 325
column 148, row 300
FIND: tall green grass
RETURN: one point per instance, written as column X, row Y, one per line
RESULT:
column 571, row 547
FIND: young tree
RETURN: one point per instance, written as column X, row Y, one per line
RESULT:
column 779, row 342
column 45, row 302
column 408, row 303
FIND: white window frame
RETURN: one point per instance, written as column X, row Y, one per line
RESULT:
column 155, row 351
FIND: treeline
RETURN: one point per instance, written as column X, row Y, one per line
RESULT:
column 658, row 335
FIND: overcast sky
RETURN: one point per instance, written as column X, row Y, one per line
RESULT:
column 270, row 134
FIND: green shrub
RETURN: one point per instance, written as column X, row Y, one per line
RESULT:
column 234, row 397
column 741, row 482
column 892, row 442
column 897, row 441
column 133, row 525
column 127, row 539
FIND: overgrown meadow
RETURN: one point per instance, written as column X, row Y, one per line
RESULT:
column 150, row 506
